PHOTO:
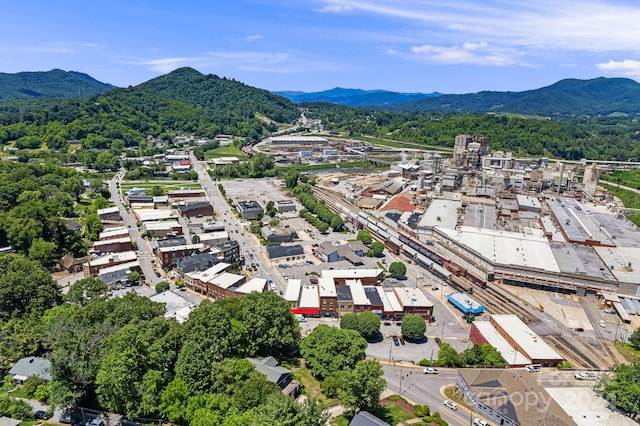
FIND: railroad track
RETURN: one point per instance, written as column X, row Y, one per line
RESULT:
column 498, row 302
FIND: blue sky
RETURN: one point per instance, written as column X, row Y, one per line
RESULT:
column 452, row 46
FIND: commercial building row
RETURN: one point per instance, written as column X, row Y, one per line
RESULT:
column 335, row 297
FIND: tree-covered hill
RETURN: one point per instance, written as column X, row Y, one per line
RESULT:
column 183, row 101
column 50, row 84
column 220, row 96
column 596, row 97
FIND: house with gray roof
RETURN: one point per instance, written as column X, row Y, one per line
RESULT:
column 364, row 418
column 30, row 366
column 276, row 374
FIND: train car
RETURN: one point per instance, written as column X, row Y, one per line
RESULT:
column 383, row 235
column 424, row 260
column 392, row 247
column 442, row 271
column 363, row 215
column 410, row 252
column 382, row 226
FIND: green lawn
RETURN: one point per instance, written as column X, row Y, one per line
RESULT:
column 164, row 184
column 629, row 199
column 629, row 178
column 225, row 151
column 311, row 387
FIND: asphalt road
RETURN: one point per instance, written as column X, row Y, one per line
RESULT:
column 250, row 247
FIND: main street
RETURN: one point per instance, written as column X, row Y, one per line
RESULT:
column 144, row 253
column 249, row 245
column 419, row 388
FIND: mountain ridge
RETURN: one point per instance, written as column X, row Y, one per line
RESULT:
column 53, row 84
column 354, row 97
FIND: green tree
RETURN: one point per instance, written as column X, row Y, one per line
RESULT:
column 270, row 327
column 162, row 286
column 313, row 413
column 120, row 374
column 623, row 388
column 397, row 269
column 25, row 287
column 174, row 401
column 367, row 324
column 44, row 252
column 365, row 237
column 330, row 349
column 413, row 327
column 337, row 224
column 133, row 277
column 448, row 357
column 291, row 179
column 93, row 226
column 195, row 239
column 634, row 339
column 85, row 290
column 377, row 248
column 363, row 386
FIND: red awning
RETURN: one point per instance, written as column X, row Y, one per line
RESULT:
column 305, row 311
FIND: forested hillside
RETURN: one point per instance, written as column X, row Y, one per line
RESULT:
column 50, row 84
column 572, row 139
column 596, row 97
column 183, row 101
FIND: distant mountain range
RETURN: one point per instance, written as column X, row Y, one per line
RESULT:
column 598, row 96
column 356, row 97
column 50, row 84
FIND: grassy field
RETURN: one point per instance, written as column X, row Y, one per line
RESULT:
column 408, row 145
column 630, row 178
column 312, row 387
column 164, row 184
column 311, row 167
column 225, row 151
column 629, row 199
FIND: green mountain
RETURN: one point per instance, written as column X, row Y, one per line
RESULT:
column 569, row 97
column 183, row 101
column 355, row 97
column 50, row 84
column 219, row 95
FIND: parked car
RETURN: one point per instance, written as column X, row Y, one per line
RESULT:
column 451, row 404
column 386, row 323
column 585, row 376
column 68, row 417
column 579, row 329
column 430, row 370
column 42, row 415
column 479, row 422
column 402, row 341
column 602, row 323
column 396, row 341
column 608, row 311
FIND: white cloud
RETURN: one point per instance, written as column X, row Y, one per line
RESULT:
column 572, row 25
column 166, row 65
column 628, row 67
column 254, row 37
column 470, row 53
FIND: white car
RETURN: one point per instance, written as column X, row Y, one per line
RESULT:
column 451, row 404
column 602, row 323
column 430, row 370
column 608, row 311
column 480, row 422
column 585, row 376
